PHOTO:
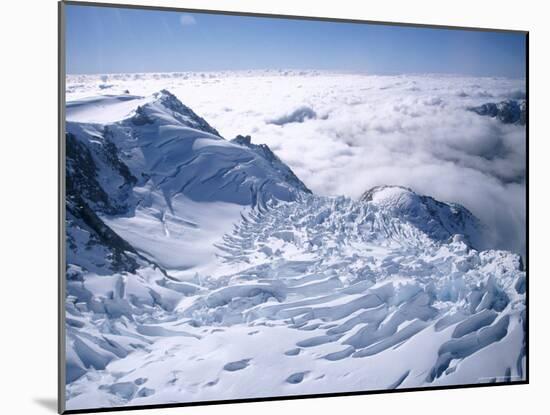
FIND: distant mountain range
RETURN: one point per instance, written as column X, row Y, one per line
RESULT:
column 507, row 112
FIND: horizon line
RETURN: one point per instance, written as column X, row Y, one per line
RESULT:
column 278, row 70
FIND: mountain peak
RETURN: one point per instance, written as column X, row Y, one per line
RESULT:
column 166, row 108
column 386, row 193
column 508, row 112
column 439, row 220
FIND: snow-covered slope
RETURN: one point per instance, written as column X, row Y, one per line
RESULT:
column 164, row 172
column 164, row 142
column 438, row 220
column 343, row 133
column 200, row 268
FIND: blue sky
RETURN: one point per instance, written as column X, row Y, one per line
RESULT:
column 108, row 40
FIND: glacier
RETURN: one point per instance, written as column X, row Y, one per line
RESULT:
column 201, row 268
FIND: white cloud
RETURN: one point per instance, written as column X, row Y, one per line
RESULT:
column 187, row 20
column 412, row 131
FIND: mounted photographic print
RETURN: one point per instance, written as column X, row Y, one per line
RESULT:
column 260, row 207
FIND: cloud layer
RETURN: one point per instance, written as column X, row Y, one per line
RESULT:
column 345, row 133
column 187, row 20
